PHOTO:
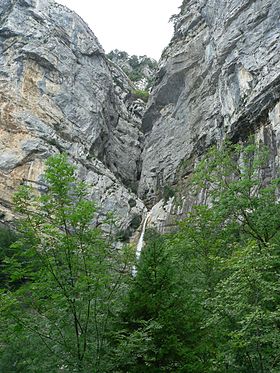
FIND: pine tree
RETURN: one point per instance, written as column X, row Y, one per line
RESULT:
column 159, row 319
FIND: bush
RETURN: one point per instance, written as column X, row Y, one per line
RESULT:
column 143, row 95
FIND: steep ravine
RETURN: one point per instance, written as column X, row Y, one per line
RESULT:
column 219, row 77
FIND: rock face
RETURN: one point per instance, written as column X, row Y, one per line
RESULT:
column 140, row 69
column 219, row 77
column 58, row 92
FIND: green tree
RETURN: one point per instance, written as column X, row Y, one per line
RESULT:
column 237, row 181
column 75, row 278
column 231, row 247
column 159, row 328
column 7, row 238
column 246, row 310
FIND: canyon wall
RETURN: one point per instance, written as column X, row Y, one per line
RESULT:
column 218, row 78
column 59, row 93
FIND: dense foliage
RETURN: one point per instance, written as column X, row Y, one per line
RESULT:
column 59, row 318
column 205, row 298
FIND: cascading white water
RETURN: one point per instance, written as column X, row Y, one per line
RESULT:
column 140, row 243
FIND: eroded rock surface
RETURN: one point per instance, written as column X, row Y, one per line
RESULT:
column 58, row 92
column 140, row 69
column 219, row 77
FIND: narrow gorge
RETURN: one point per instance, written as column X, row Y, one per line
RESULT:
column 218, row 78
column 99, row 151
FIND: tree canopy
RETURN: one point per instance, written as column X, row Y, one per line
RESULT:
column 205, row 298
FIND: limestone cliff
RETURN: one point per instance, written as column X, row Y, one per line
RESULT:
column 219, row 77
column 58, row 92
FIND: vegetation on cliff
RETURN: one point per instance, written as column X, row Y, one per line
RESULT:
column 205, row 298
column 141, row 70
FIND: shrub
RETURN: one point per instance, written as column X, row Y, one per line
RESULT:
column 143, row 95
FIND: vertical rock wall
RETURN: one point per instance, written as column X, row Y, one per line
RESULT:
column 219, row 77
column 59, row 93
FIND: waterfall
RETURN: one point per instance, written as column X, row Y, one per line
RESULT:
column 140, row 243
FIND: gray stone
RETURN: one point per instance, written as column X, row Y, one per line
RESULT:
column 219, row 77
column 58, row 92
column 140, row 69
